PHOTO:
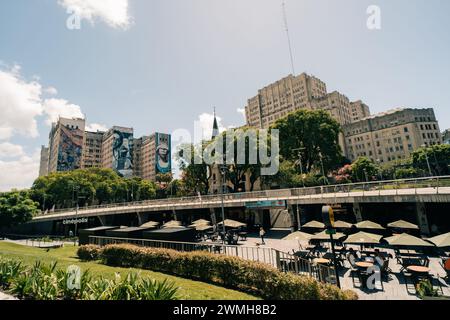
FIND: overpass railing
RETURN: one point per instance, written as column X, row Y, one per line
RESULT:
column 433, row 184
column 281, row 260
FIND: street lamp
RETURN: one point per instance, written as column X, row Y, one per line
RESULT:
column 381, row 170
column 424, row 146
column 301, row 163
column 321, row 163
column 223, row 171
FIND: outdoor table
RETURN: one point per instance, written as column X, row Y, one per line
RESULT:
column 363, row 264
column 321, row 261
column 418, row 269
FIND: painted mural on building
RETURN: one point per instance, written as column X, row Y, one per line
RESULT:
column 163, row 153
column 70, row 149
column 123, row 153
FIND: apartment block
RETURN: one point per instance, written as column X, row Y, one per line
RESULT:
column 392, row 135
column 92, row 150
column 117, row 150
column 66, row 142
column 446, row 136
column 293, row 93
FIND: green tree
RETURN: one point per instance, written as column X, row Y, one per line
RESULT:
column 438, row 158
column 316, row 134
column 364, row 169
column 16, row 208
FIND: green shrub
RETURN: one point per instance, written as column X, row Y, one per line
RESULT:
column 88, row 253
column 247, row 276
column 9, row 269
column 425, row 289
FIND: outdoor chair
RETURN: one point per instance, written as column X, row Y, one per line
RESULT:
column 385, row 270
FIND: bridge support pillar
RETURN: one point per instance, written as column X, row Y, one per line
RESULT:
column 357, row 211
column 422, row 218
column 140, row 220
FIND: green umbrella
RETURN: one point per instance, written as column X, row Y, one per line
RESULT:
column 363, row 238
column 369, row 225
column 406, row 240
column 441, row 241
column 315, row 225
column 401, row 224
column 342, row 225
column 324, row 236
column 298, row 235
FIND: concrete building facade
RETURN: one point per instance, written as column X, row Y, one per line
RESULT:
column 43, row 166
column 392, row 135
column 92, row 151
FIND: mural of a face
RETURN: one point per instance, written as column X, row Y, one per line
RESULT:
column 122, row 153
column 163, row 161
column 70, row 149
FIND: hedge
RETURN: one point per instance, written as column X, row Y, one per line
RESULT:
column 247, row 276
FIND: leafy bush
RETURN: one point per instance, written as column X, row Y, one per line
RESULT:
column 425, row 289
column 9, row 269
column 88, row 253
column 247, row 276
column 42, row 282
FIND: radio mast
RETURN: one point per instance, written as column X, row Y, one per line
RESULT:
column 286, row 25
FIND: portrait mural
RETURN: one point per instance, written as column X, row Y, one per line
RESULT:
column 163, row 153
column 123, row 153
column 70, row 149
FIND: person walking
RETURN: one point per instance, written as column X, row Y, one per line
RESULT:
column 262, row 234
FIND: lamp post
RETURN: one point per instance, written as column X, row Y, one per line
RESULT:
column 381, row 170
column 300, row 163
column 424, row 146
column 321, row 163
column 223, row 170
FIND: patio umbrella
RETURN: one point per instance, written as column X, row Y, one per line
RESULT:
column 406, row 240
column 233, row 224
column 401, row 224
column 314, row 225
column 323, row 236
column 150, row 224
column 369, row 225
column 298, row 235
column 172, row 224
column 202, row 227
column 441, row 241
column 342, row 225
column 200, row 221
column 363, row 238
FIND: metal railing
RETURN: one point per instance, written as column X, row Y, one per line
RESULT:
column 433, row 185
column 281, row 260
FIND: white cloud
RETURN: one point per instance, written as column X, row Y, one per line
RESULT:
column 20, row 173
column 9, row 150
column 206, row 122
column 242, row 112
column 20, row 104
column 51, row 91
column 113, row 12
column 94, row 127
column 55, row 108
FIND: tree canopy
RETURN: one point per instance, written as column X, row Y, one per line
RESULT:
column 16, row 208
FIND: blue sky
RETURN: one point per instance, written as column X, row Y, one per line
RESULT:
column 159, row 65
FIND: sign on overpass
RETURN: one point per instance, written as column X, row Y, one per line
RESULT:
column 269, row 204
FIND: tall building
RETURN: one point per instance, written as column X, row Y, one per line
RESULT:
column 117, row 150
column 392, row 135
column 446, row 136
column 293, row 93
column 66, row 142
column 359, row 110
column 43, row 167
column 92, row 150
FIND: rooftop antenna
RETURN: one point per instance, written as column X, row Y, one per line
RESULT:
column 286, row 25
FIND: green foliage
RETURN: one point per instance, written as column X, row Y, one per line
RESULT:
column 243, row 275
column 438, row 158
column 88, row 253
column 46, row 282
column 90, row 186
column 314, row 131
column 16, row 208
column 364, row 169
column 425, row 289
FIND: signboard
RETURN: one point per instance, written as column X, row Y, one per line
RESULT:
column 328, row 216
column 266, row 204
column 75, row 221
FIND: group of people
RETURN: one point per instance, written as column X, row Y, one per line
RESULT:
column 354, row 256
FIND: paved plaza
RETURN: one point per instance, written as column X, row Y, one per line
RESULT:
column 395, row 288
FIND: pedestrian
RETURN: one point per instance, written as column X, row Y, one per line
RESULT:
column 262, row 234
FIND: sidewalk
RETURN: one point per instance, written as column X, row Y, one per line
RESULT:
column 6, row 297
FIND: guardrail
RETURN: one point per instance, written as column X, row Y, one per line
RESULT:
column 367, row 188
column 281, row 260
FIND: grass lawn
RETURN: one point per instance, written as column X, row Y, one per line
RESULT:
column 188, row 289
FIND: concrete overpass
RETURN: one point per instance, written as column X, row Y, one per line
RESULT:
column 426, row 190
